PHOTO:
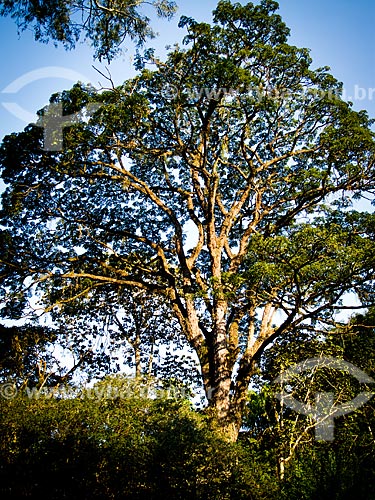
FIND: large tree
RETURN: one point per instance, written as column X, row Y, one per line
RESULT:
column 220, row 179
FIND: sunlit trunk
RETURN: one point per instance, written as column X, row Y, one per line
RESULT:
column 221, row 401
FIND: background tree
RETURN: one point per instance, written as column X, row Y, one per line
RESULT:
column 105, row 25
column 307, row 468
column 221, row 181
column 36, row 356
column 93, row 336
column 24, row 356
column 127, row 329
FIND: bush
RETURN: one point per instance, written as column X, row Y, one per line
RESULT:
column 120, row 447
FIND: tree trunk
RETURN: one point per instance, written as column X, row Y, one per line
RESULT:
column 226, row 419
column 224, row 412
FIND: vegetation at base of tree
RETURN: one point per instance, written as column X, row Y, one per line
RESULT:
column 139, row 438
column 130, row 447
column 108, row 442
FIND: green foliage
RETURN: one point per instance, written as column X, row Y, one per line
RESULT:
column 24, row 354
column 342, row 468
column 105, row 25
column 119, row 447
column 114, row 441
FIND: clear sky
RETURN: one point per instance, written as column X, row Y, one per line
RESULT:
column 340, row 34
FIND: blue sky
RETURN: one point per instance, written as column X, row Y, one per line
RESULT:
column 340, row 34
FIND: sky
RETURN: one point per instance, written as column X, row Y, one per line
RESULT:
column 340, row 34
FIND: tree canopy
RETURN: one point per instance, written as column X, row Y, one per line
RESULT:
column 105, row 25
column 220, row 179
